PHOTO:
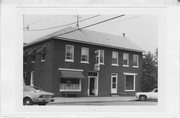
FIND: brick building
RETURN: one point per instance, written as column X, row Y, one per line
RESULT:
column 83, row 62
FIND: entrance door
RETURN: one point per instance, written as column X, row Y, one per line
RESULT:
column 92, row 86
column 114, row 83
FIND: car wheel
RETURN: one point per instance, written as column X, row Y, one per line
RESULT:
column 27, row 101
column 142, row 98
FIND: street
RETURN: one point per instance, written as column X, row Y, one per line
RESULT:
column 108, row 103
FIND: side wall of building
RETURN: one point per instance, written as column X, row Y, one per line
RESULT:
column 42, row 70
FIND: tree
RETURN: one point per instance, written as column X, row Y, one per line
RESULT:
column 150, row 73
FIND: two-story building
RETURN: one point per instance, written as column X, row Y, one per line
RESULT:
column 85, row 62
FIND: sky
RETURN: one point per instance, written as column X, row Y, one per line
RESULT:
column 140, row 29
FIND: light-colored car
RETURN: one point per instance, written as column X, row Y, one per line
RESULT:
column 34, row 95
column 147, row 95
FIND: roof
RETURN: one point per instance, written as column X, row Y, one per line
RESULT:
column 91, row 37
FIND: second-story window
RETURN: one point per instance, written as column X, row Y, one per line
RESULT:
column 43, row 55
column 114, row 58
column 135, row 60
column 84, row 55
column 33, row 58
column 99, row 57
column 125, row 60
column 69, row 54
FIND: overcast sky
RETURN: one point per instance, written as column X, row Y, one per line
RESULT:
column 141, row 29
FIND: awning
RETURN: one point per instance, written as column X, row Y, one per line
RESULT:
column 72, row 74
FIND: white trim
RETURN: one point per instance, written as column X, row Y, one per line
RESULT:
column 134, row 79
column 32, row 79
column 96, row 82
column 114, row 64
column 135, row 66
column 116, row 75
column 43, row 60
column 67, row 69
column 84, row 62
column 126, row 73
column 68, row 60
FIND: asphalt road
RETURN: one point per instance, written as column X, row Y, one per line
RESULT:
column 111, row 103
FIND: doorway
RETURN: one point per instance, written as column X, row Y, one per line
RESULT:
column 92, row 86
column 114, row 83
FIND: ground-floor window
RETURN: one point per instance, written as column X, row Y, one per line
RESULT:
column 130, row 82
column 69, row 84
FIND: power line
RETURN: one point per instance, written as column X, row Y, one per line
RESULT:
column 40, row 21
column 93, row 24
column 64, row 25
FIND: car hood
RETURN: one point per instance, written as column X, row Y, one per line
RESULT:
column 44, row 93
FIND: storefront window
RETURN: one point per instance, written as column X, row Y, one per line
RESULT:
column 70, row 84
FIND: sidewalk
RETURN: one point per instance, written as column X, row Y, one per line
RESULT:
column 92, row 99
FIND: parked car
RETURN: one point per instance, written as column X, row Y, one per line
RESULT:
column 147, row 95
column 35, row 95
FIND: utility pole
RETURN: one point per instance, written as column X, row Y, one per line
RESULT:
column 77, row 24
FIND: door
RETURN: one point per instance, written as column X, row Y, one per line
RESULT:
column 114, row 83
column 92, row 86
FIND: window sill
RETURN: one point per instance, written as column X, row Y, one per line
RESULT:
column 135, row 66
column 115, row 64
column 125, row 65
column 101, row 64
column 69, row 60
column 84, row 62
column 42, row 60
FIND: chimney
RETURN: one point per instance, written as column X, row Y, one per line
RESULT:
column 124, row 34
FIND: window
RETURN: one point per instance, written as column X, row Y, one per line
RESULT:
column 33, row 58
column 84, row 55
column 67, row 84
column 43, row 55
column 135, row 60
column 99, row 55
column 32, row 79
column 69, row 56
column 114, row 58
column 130, row 81
column 125, row 60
